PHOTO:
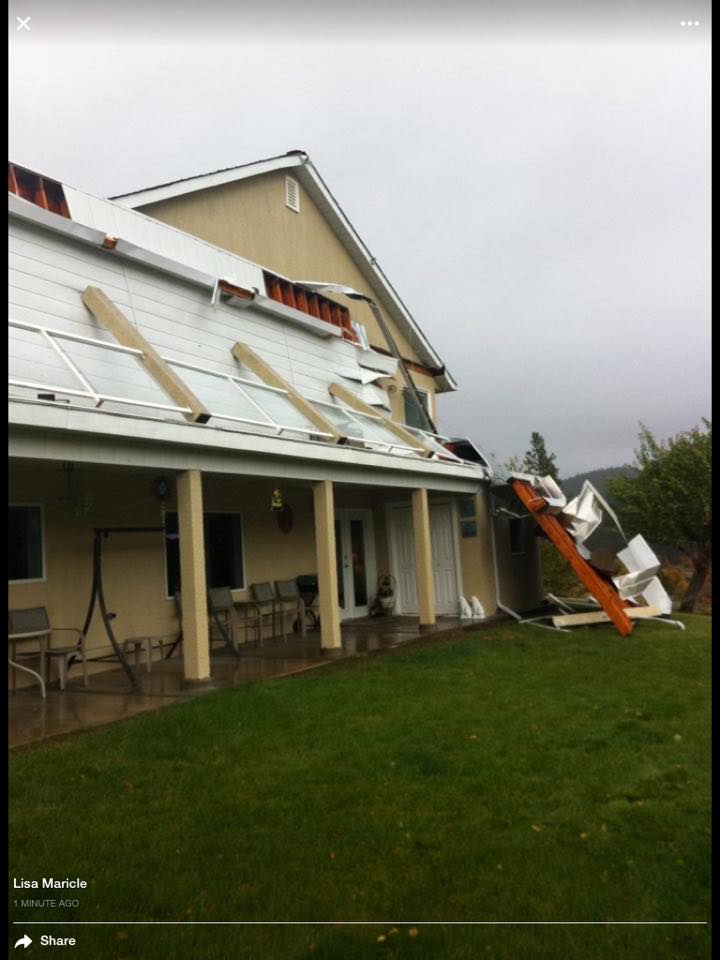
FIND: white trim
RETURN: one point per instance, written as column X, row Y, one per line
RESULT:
column 204, row 181
column 43, row 544
column 314, row 185
column 48, row 431
column 345, row 515
column 392, row 545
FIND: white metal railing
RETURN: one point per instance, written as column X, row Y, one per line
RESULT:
column 356, row 418
column 237, row 382
column 50, row 336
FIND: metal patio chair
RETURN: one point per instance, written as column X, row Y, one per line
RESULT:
column 289, row 601
column 34, row 623
column 263, row 596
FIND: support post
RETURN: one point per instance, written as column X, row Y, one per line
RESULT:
column 196, row 641
column 324, row 500
column 423, row 558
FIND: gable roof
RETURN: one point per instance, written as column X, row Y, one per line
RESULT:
column 303, row 168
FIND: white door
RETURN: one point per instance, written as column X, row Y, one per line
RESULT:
column 444, row 557
column 356, row 567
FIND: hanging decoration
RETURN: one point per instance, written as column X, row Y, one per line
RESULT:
column 277, row 503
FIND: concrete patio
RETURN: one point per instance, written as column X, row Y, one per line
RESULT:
column 109, row 698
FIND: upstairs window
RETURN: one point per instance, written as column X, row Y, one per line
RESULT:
column 413, row 415
column 25, row 543
column 292, row 194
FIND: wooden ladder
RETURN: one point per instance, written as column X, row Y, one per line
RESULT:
column 605, row 593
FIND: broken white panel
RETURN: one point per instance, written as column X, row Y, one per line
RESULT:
column 361, row 333
column 584, row 514
column 547, row 488
column 633, row 584
column 362, row 376
column 641, row 564
column 655, row 595
column 375, row 396
column 638, row 556
column 377, row 361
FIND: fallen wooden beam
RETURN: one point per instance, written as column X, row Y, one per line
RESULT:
column 598, row 616
column 246, row 355
column 603, row 590
column 126, row 333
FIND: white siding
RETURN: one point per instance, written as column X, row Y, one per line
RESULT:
column 48, row 273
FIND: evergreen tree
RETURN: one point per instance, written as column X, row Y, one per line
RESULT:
column 538, row 460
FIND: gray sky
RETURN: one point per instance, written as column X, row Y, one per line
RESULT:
column 536, row 184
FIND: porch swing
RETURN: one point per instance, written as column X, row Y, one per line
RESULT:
column 97, row 598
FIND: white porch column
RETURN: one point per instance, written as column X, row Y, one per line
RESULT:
column 327, row 565
column 423, row 557
column 196, row 644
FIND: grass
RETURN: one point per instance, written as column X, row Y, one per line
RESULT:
column 512, row 774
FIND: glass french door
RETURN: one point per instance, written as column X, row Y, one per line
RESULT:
column 355, row 556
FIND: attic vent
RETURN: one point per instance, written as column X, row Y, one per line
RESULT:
column 307, row 301
column 41, row 191
column 292, row 194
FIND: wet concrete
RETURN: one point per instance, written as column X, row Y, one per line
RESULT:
column 108, row 698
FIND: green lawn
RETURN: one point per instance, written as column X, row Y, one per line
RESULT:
column 512, row 774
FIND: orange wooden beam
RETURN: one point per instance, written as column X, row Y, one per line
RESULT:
column 605, row 594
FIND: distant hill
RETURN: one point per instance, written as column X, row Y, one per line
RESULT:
column 598, row 478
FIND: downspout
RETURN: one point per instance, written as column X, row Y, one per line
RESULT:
column 496, row 575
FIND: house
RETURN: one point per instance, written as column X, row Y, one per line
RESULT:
column 213, row 382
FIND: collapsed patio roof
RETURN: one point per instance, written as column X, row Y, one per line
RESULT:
column 112, row 368
column 568, row 526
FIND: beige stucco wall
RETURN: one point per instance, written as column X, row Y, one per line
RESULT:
column 478, row 577
column 134, row 564
column 250, row 218
column 520, row 576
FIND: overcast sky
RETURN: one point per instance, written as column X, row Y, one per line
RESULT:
column 534, row 182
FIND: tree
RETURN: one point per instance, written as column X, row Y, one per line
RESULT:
column 513, row 464
column 670, row 499
column 538, row 460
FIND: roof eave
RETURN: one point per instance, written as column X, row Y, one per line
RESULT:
column 321, row 194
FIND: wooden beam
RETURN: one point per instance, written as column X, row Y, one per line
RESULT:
column 603, row 591
column 127, row 334
column 599, row 616
column 246, row 355
column 352, row 400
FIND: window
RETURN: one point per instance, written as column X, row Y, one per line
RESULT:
column 414, row 416
column 516, row 532
column 468, row 518
column 224, row 566
column 292, row 194
column 26, row 559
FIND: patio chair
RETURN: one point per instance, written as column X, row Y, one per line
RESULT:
column 264, row 597
column 224, row 616
column 34, row 623
column 289, row 601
